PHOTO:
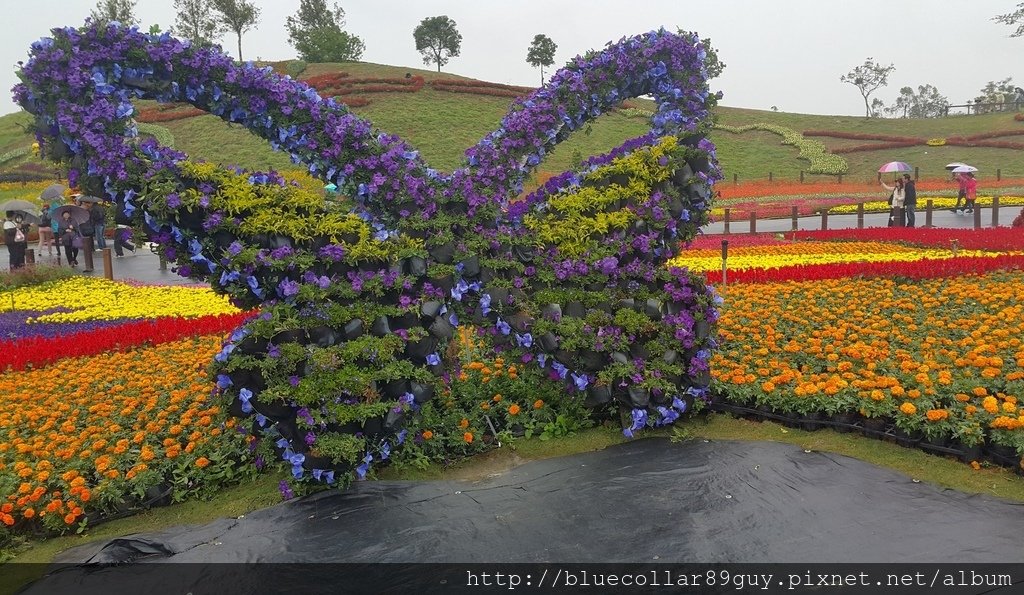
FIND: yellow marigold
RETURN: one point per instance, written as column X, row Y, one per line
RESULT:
column 975, row 465
column 908, row 408
column 485, row 405
column 937, row 414
column 1009, row 407
column 990, row 404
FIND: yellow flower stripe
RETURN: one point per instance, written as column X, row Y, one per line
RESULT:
column 938, row 202
column 99, row 299
column 807, row 253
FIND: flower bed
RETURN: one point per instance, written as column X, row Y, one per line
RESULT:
column 992, row 238
column 780, row 189
column 938, row 202
column 99, row 336
column 938, row 359
column 83, row 299
column 92, row 437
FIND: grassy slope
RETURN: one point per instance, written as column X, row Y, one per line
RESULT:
column 442, row 125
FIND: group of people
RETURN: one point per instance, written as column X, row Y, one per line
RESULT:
column 902, row 202
column 63, row 232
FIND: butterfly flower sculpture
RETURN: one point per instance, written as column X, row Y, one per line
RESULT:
column 361, row 288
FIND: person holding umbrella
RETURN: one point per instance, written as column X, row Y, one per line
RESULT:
column 16, row 239
column 971, row 191
column 67, row 230
column 896, row 198
column 46, row 231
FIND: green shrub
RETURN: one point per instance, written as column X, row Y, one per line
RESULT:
column 159, row 133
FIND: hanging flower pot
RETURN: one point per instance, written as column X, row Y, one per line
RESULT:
column 444, row 254
column 639, row 351
column 380, row 327
column 353, row 329
column 415, row 266
column 429, row 310
column 575, row 310
column 639, row 397
column 252, row 345
column 322, row 336
column 552, row 312
column 702, row 329
column 274, row 410
column 471, row 267
column 548, row 342
column 441, row 328
column 290, row 336
column 396, row 388
column 598, row 395
column 591, row 360
column 812, row 421
column 421, row 393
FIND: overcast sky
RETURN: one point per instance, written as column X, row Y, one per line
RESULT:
column 787, row 53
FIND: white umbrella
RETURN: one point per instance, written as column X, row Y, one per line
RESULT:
column 964, row 169
column 895, row 167
column 954, row 165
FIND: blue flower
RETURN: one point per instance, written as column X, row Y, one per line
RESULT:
column 485, row 304
column 223, row 381
column 453, row 320
column 559, row 369
column 524, row 340
column 433, row 359
column 503, row 327
column 244, row 395
column 542, row 360
column 581, row 381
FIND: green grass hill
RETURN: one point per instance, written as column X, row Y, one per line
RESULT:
column 442, row 124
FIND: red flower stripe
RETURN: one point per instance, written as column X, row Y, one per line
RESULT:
column 864, row 136
column 920, row 269
column 39, row 351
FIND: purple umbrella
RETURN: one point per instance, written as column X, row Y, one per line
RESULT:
column 78, row 214
column 895, row 167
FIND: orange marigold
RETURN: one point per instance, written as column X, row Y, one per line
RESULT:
column 908, row 408
column 937, row 414
column 513, row 409
column 468, row 437
column 427, row 434
column 464, row 423
column 538, row 404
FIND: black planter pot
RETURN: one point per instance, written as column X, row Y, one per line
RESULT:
column 339, row 269
column 619, row 179
column 702, row 329
column 252, row 345
column 524, row 253
column 702, row 380
column 395, row 388
column 812, row 421
column 441, row 328
column 235, row 409
column 444, row 283
column 551, row 312
column 670, row 357
column 619, row 357
column 591, row 360
column 471, row 267
column 419, row 350
column 394, row 420
column 404, row 322
column 970, row 453
column 652, row 308
column 353, row 329
column 499, row 296
column 373, row 426
column 639, row 397
column 844, row 422
column 317, row 462
column 575, row 310
column 682, row 175
column 639, row 351
column 874, row 427
column 598, row 395
column 290, row 336
column 429, row 310
column 937, row 442
column 322, row 336
column 273, row 411
column 380, row 327
column 548, row 342
column 1001, row 455
column 444, row 253
column 421, row 393
column 906, row 439
column 596, row 286
column 415, row 266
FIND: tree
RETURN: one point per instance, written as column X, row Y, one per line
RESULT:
column 926, row 102
column 316, row 33
column 197, row 22
column 237, row 16
column 121, row 11
column 712, row 63
column 868, row 78
column 438, row 40
column 1013, row 18
column 877, row 107
column 541, row 53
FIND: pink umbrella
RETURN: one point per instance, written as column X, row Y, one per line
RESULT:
column 895, row 167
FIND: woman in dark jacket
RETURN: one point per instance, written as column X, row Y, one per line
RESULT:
column 16, row 239
column 67, row 231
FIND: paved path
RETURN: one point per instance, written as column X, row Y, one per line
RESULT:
column 143, row 266
column 940, row 218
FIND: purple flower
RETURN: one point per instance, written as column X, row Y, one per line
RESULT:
column 286, row 492
column 173, row 200
column 288, row 288
column 235, row 248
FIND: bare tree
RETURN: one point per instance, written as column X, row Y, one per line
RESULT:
column 868, row 78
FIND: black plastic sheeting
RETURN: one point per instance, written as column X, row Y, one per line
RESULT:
column 643, row 501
